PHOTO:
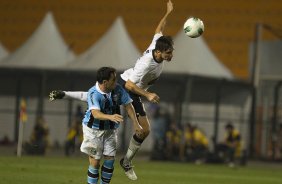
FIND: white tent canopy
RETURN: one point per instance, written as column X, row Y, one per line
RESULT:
column 193, row 56
column 115, row 49
column 44, row 49
column 3, row 52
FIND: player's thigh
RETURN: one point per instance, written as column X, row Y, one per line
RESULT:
column 92, row 143
column 140, row 112
column 137, row 104
column 110, row 143
column 144, row 123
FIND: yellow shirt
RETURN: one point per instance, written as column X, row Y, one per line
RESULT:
column 71, row 134
column 234, row 137
column 197, row 137
column 174, row 137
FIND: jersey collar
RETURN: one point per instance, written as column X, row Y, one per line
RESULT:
column 100, row 91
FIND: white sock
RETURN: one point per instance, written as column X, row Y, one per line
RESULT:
column 133, row 148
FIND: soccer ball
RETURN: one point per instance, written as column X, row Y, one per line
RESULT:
column 193, row 27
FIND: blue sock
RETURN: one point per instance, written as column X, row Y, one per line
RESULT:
column 107, row 171
column 93, row 175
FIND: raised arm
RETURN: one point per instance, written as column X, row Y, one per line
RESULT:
column 162, row 23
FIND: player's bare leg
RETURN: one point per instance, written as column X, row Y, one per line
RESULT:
column 134, row 146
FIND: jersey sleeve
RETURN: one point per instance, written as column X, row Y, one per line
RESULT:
column 93, row 101
column 83, row 96
column 138, row 71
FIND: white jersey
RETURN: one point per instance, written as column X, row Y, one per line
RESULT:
column 146, row 70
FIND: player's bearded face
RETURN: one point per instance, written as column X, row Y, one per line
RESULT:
column 167, row 55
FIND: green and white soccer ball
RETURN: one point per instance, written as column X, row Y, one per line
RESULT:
column 193, row 27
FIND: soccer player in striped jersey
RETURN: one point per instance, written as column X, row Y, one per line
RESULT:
column 100, row 122
column 137, row 80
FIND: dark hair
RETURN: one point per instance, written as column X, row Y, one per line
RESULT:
column 104, row 73
column 229, row 125
column 164, row 43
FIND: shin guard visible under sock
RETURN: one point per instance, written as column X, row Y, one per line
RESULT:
column 92, row 175
column 134, row 146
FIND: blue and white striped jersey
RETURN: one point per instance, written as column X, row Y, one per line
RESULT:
column 107, row 103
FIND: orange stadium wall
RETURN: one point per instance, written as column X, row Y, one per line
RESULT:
column 229, row 25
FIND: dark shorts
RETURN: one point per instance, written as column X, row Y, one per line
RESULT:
column 137, row 103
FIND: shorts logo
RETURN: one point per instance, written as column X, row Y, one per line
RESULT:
column 93, row 151
column 115, row 97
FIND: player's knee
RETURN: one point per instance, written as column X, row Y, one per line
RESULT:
column 146, row 132
column 93, row 162
column 143, row 134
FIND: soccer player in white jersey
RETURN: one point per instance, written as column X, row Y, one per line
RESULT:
column 100, row 122
column 137, row 80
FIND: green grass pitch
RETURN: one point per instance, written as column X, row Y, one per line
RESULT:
column 62, row 170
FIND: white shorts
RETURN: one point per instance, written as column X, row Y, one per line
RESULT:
column 99, row 142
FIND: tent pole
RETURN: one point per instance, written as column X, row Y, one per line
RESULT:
column 70, row 105
column 274, row 118
column 185, row 111
column 255, row 70
column 217, row 113
column 17, row 109
column 42, row 90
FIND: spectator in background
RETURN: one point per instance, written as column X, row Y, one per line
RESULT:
column 195, row 144
column 231, row 148
column 5, row 141
column 39, row 140
column 74, row 136
column 79, row 114
column 160, row 123
column 173, row 141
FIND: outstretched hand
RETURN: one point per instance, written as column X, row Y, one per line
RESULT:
column 153, row 97
column 169, row 7
column 117, row 118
